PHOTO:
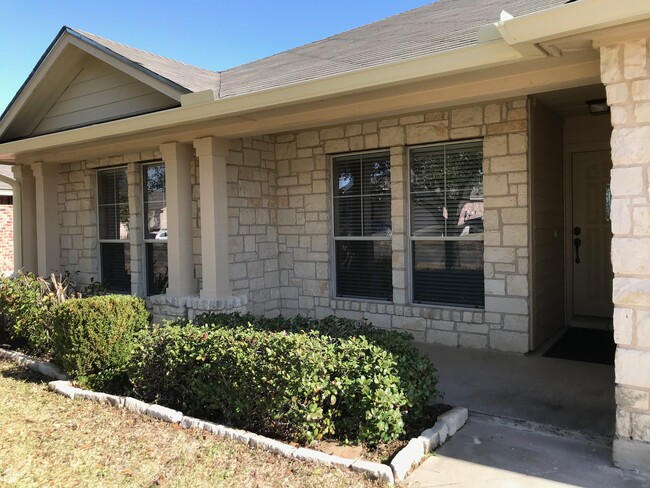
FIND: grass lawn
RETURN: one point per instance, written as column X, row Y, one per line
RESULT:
column 49, row 440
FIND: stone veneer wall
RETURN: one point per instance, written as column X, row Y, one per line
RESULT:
column 305, row 223
column 280, row 221
column 77, row 204
column 625, row 70
column 252, row 219
column 6, row 239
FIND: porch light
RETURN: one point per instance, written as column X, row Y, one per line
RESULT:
column 598, row 107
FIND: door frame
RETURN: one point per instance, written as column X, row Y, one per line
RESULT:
column 569, row 150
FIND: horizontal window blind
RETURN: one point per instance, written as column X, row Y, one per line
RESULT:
column 362, row 226
column 113, row 216
column 446, row 218
column 116, row 266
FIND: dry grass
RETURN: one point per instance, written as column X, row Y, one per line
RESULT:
column 49, row 440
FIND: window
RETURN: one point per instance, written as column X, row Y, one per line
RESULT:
column 362, row 226
column 155, row 227
column 446, row 199
column 113, row 212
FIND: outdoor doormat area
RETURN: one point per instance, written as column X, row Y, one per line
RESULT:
column 408, row 457
column 587, row 345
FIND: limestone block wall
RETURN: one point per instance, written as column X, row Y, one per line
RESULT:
column 6, row 239
column 252, row 229
column 77, row 205
column 304, row 221
column 625, row 70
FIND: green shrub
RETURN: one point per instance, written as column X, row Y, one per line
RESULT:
column 276, row 377
column 26, row 302
column 417, row 377
column 93, row 337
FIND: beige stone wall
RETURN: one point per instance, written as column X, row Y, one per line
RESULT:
column 305, row 222
column 625, row 70
column 280, row 220
column 77, row 204
column 252, row 229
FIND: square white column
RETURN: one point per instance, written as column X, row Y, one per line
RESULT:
column 47, row 217
column 178, row 188
column 213, row 154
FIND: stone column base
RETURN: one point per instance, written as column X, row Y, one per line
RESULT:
column 632, row 455
column 171, row 308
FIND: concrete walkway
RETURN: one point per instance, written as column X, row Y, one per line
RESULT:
column 488, row 453
column 568, row 395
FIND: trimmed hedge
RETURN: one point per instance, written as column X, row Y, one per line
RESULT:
column 298, row 379
column 93, row 338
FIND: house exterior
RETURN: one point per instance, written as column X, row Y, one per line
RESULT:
column 438, row 172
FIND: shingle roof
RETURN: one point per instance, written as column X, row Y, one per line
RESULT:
column 190, row 77
column 435, row 28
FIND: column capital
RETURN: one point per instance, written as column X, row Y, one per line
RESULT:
column 212, row 146
column 41, row 168
column 176, row 151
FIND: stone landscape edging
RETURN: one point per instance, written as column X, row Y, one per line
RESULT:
column 412, row 454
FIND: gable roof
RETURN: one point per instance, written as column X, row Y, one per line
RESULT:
column 438, row 27
column 442, row 39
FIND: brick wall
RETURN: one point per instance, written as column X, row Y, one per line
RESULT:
column 6, row 239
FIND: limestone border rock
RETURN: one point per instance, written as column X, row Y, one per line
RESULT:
column 447, row 425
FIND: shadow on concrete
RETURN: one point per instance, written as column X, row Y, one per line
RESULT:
column 560, row 394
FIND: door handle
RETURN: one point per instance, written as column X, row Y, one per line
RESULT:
column 576, row 242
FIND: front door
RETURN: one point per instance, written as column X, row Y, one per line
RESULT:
column 592, row 235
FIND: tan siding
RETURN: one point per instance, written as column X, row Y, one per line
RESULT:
column 548, row 223
column 100, row 92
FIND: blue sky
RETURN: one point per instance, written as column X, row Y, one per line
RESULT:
column 214, row 34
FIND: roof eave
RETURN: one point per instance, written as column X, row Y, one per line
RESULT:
column 202, row 106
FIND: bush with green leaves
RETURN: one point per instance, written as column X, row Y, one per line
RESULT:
column 93, row 338
column 26, row 302
column 416, row 375
column 297, row 379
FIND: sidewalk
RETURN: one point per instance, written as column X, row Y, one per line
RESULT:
column 488, row 453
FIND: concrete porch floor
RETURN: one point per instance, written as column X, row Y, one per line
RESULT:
column 487, row 453
column 559, row 394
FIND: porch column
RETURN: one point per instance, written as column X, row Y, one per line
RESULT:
column 178, row 190
column 27, row 214
column 625, row 70
column 212, row 154
column 47, row 217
